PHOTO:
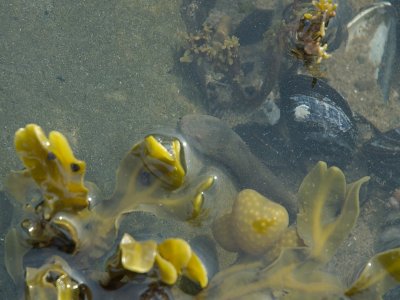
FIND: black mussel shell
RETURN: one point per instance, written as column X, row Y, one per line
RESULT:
column 383, row 157
column 336, row 32
column 266, row 142
column 252, row 28
column 319, row 120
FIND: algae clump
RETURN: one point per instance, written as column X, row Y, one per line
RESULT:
column 172, row 257
column 62, row 218
column 52, row 165
column 328, row 210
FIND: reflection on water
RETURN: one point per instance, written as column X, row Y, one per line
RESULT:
column 105, row 75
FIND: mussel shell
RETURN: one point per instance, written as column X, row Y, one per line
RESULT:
column 374, row 31
column 336, row 32
column 266, row 142
column 383, row 156
column 319, row 120
column 252, row 28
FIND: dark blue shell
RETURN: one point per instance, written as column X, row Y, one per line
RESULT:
column 383, row 157
column 319, row 120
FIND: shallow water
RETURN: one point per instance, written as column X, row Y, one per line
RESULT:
column 106, row 73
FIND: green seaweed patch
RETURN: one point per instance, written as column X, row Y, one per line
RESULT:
column 328, row 210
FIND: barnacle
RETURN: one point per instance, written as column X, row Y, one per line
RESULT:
column 171, row 257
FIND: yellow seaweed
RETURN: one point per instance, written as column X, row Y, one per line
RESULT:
column 168, row 273
column 137, row 256
column 176, row 251
column 172, row 257
column 165, row 164
column 196, row 271
column 328, row 209
column 54, row 168
column 310, row 45
column 380, row 274
column 153, row 173
column 321, row 193
column 326, row 6
column 52, row 281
